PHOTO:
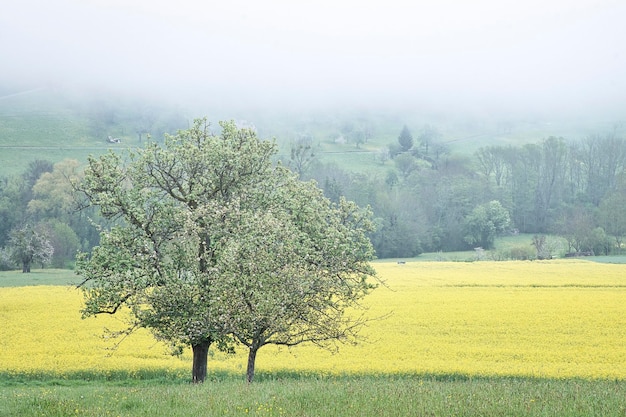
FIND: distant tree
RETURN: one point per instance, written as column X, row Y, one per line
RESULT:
column 603, row 160
column 524, row 175
column 599, row 242
column 391, row 179
column 545, row 246
column 406, row 164
column 6, row 261
column 53, row 192
column 30, row 245
column 445, row 198
column 28, row 179
column 396, row 237
column 405, row 140
column 576, row 225
column 35, row 169
column 485, row 222
column 439, row 150
column 64, row 241
column 301, row 155
column 427, row 137
column 550, row 181
column 612, row 213
column 12, row 209
column 54, row 204
column 394, row 149
column 492, row 164
column 333, row 179
column 383, row 155
column 359, row 137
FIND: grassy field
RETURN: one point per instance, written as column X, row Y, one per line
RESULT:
column 310, row 397
column 49, row 125
column 457, row 338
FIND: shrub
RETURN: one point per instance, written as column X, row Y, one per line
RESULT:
column 522, row 253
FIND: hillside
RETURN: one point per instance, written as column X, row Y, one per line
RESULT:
column 54, row 124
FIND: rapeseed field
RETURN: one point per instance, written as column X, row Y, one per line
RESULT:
column 553, row 319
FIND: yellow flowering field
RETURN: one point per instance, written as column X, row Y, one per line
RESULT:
column 561, row 319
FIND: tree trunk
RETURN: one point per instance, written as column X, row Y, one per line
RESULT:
column 251, row 362
column 25, row 267
column 200, row 358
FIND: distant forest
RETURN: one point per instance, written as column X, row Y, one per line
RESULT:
column 429, row 201
column 426, row 194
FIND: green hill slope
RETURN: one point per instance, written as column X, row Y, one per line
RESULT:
column 54, row 124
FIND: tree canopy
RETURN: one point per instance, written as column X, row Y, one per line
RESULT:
column 485, row 222
column 211, row 242
column 29, row 245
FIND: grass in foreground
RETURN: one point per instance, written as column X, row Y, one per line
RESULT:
column 311, row 396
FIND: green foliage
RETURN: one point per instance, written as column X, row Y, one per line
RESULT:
column 30, row 245
column 53, row 192
column 536, row 179
column 521, row 253
column 64, row 241
column 612, row 214
column 13, row 194
column 212, row 241
column 485, row 222
column 6, row 262
column 406, row 164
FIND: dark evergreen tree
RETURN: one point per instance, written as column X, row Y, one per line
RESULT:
column 405, row 139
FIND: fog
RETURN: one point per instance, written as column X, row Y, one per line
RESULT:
column 561, row 56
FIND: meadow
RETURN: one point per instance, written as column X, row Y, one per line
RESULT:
column 507, row 338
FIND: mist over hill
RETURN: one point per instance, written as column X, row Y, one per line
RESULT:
column 61, row 121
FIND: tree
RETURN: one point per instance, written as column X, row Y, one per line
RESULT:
column 545, row 246
column 405, row 139
column 485, row 222
column 54, row 206
column 53, row 193
column 35, row 169
column 492, row 163
column 30, row 245
column 550, row 181
column 11, row 208
column 612, row 213
column 603, row 158
column 190, row 221
column 406, row 164
column 576, row 226
column 301, row 155
column 292, row 275
column 427, row 137
column 64, row 241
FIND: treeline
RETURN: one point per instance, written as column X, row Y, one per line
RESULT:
column 40, row 221
column 430, row 200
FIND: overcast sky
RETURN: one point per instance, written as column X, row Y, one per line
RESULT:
column 558, row 53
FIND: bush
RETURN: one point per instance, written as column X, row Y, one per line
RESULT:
column 6, row 263
column 522, row 253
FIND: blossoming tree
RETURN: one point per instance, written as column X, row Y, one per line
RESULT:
column 211, row 242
